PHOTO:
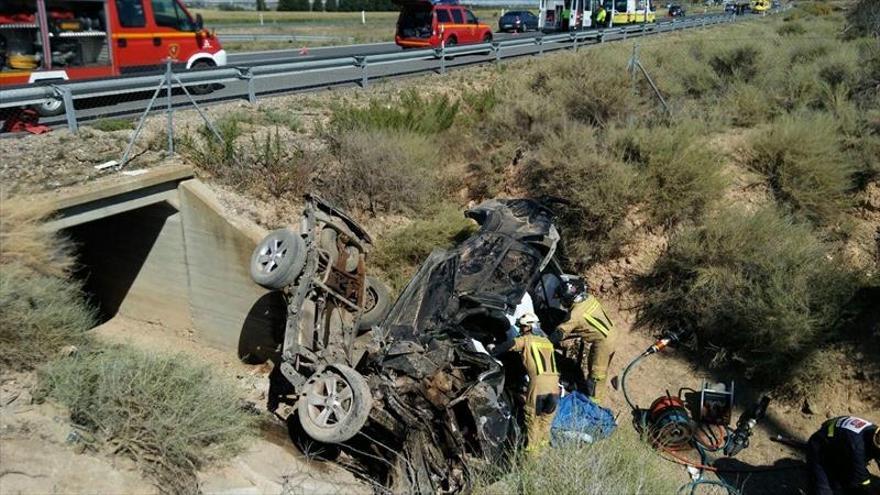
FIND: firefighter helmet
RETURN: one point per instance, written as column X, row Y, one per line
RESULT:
column 574, row 289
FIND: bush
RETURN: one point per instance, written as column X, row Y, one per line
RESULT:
column 759, row 289
column 383, row 171
column 748, row 105
column 800, row 157
column 412, row 113
column 24, row 242
column 39, row 315
column 820, row 9
column 599, row 190
column 400, row 253
column 679, row 172
column 621, row 464
column 210, row 154
column 791, row 28
column 110, row 125
column 170, row 416
column 863, row 19
column 740, row 63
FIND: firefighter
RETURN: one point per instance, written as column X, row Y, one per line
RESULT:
column 588, row 321
column 838, row 456
column 600, row 16
column 542, row 396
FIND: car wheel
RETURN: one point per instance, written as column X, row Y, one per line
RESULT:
column 451, row 41
column 377, row 302
column 201, row 89
column 50, row 108
column 278, row 259
column 335, row 404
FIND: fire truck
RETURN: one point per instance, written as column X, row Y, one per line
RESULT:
column 51, row 40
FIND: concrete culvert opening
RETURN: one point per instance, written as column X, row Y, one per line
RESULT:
column 112, row 254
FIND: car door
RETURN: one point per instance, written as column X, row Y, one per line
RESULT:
column 459, row 28
column 132, row 43
column 175, row 33
column 473, row 32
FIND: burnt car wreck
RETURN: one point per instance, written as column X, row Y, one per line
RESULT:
column 413, row 396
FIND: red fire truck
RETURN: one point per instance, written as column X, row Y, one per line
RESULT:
column 51, row 40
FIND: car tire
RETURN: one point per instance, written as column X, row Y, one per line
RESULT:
column 50, row 108
column 201, row 89
column 278, row 259
column 377, row 302
column 335, row 404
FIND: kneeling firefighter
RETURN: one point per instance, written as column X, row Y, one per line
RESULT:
column 588, row 321
column 542, row 396
column 838, row 456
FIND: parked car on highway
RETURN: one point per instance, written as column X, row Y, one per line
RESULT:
column 518, row 21
column 676, row 11
column 427, row 24
column 98, row 38
column 730, row 8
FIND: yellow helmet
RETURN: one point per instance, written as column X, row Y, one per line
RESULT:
column 20, row 61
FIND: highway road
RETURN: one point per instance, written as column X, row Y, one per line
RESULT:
column 128, row 105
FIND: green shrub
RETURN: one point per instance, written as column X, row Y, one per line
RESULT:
column 399, row 253
column 599, row 190
column 791, row 28
column 758, row 288
column 621, row 464
column 863, row 19
column 280, row 117
column 808, row 51
column 412, row 113
column 820, row 9
column 739, row 63
column 216, row 156
column 383, row 171
column 39, row 315
column 170, row 416
column 748, row 105
column 110, row 125
column 680, row 174
column 800, row 157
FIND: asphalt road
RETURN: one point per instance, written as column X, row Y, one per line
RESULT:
column 128, row 105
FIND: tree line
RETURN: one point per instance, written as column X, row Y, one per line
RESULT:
column 337, row 5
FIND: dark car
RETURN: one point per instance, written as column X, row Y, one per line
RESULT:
column 675, row 11
column 730, row 8
column 518, row 21
column 415, row 397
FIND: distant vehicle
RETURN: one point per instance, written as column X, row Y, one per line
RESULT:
column 730, row 8
column 58, row 40
column 630, row 11
column 551, row 16
column 675, row 11
column 518, row 21
column 427, row 24
column 760, row 6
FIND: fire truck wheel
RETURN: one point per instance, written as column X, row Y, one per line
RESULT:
column 201, row 89
column 50, row 108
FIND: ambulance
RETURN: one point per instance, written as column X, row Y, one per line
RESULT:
column 42, row 41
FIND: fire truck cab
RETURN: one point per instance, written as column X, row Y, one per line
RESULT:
column 52, row 40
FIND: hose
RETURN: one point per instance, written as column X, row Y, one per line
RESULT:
column 626, row 371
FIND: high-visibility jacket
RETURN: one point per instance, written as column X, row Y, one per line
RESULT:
column 587, row 315
column 600, row 17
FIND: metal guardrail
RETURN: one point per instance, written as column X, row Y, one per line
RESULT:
column 77, row 90
column 290, row 38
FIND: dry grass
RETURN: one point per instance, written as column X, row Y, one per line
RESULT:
column 25, row 243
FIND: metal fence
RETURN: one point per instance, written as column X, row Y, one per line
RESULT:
column 251, row 82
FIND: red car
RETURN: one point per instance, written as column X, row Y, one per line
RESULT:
column 424, row 24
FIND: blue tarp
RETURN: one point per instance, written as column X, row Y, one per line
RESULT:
column 579, row 419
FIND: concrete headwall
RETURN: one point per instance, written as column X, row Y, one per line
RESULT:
column 174, row 258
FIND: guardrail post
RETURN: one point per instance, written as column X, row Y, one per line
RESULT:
column 251, row 86
column 601, row 36
column 496, row 48
column 69, row 111
column 574, row 42
column 625, row 31
column 442, row 52
column 539, row 40
column 704, row 23
column 362, row 63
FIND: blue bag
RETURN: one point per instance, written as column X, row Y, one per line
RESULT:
column 579, row 419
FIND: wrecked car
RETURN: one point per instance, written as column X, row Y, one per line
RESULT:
column 417, row 398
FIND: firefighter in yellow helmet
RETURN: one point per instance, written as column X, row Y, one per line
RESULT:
column 542, row 396
column 588, row 321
